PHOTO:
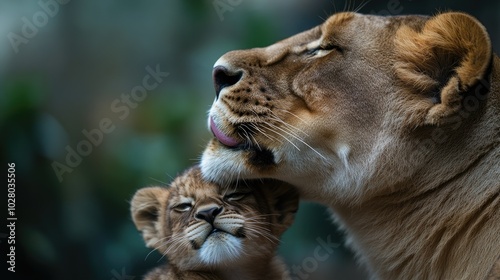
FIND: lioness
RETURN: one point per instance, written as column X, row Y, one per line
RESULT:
column 212, row 232
column 393, row 122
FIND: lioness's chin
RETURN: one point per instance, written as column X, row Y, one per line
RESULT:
column 220, row 248
column 223, row 164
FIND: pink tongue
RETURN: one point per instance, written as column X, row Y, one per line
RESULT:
column 223, row 138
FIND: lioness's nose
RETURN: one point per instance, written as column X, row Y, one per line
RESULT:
column 209, row 214
column 224, row 78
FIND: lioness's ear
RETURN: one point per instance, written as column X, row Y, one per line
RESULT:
column 145, row 209
column 443, row 61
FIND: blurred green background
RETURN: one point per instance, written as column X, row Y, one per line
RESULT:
column 67, row 65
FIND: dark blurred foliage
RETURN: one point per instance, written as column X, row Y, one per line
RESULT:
column 65, row 79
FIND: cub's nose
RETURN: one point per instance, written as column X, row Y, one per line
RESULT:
column 209, row 214
column 224, row 78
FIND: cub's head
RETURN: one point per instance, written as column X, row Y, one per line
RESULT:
column 201, row 225
column 347, row 103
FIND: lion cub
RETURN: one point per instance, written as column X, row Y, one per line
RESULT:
column 208, row 231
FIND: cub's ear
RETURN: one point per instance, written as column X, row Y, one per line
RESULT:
column 145, row 208
column 286, row 203
column 442, row 61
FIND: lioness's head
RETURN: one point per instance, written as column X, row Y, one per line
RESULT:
column 348, row 104
column 203, row 226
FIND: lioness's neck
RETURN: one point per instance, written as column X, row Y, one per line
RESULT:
column 425, row 235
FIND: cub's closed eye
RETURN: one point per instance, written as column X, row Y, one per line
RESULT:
column 183, row 207
column 235, row 196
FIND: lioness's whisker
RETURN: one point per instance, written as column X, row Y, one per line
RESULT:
column 256, row 143
column 299, row 139
column 287, row 111
column 270, row 127
column 245, row 131
column 266, row 135
column 250, row 137
column 289, row 130
column 290, row 126
column 253, row 125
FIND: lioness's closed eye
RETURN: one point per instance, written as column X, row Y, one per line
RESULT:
column 208, row 231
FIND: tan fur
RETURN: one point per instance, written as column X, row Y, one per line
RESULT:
column 448, row 42
column 253, row 216
column 393, row 122
column 495, row 272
